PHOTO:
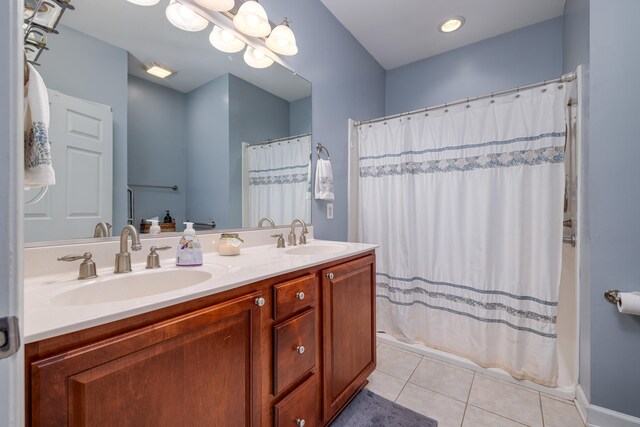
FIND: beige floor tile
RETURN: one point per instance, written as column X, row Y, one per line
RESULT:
column 476, row 417
column 446, row 379
column 396, row 362
column 560, row 414
column 508, row 400
column 385, row 385
column 447, row 411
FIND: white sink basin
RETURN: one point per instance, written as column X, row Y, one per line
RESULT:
column 123, row 287
column 318, row 249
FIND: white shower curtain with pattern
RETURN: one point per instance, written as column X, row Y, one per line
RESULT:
column 466, row 204
column 277, row 181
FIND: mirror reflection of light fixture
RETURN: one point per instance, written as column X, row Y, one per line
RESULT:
column 144, row 2
column 256, row 58
column 184, row 18
column 252, row 19
column 282, row 40
column 217, row 5
column 159, row 71
column 225, row 41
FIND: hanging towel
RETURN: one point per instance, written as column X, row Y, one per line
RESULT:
column 324, row 180
column 38, row 169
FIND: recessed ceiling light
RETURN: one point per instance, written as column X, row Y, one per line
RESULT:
column 159, row 71
column 451, row 24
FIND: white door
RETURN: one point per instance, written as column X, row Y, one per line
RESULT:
column 11, row 367
column 81, row 135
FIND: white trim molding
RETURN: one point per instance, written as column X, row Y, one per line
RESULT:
column 597, row 416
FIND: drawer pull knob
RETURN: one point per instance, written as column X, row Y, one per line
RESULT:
column 300, row 349
column 300, row 295
column 330, row 276
column 260, row 301
column 300, row 422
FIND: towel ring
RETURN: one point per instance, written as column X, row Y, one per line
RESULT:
column 320, row 148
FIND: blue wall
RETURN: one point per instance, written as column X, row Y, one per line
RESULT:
column 208, row 152
column 347, row 83
column 614, row 201
column 528, row 55
column 300, row 116
column 255, row 115
column 82, row 66
column 157, row 148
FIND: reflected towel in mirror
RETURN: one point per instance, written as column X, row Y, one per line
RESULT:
column 38, row 169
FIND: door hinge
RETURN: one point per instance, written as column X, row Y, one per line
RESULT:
column 9, row 336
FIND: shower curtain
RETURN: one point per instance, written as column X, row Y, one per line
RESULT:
column 277, row 181
column 466, row 203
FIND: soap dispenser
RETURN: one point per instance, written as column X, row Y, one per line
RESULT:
column 189, row 250
column 154, row 230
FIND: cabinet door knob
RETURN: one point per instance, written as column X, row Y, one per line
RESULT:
column 300, row 295
column 260, row 301
column 330, row 276
column 300, row 422
column 300, row 349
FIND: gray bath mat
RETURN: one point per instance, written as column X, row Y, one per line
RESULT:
column 368, row 409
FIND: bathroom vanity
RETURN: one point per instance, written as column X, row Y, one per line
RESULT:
column 290, row 349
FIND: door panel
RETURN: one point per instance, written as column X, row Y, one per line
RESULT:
column 81, row 135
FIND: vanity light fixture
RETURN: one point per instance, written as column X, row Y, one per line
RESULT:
column 452, row 24
column 144, row 2
column 225, row 41
column 256, row 58
column 159, row 71
column 252, row 19
column 217, row 5
column 282, row 40
column 184, row 18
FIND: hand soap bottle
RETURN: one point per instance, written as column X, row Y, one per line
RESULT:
column 189, row 250
column 154, row 230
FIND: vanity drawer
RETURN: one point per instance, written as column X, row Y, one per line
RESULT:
column 299, row 407
column 295, row 349
column 293, row 296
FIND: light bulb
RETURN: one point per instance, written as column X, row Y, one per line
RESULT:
column 251, row 19
column 144, row 2
column 217, row 5
column 184, row 18
column 282, row 40
column 225, row 41
column 256, row 58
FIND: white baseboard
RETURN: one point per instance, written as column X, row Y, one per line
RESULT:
column 596, row 416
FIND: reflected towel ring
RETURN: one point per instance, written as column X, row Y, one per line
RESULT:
column 320, row 148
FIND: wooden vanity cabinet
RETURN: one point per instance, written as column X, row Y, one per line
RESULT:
column 230, row 359
column 349, row 340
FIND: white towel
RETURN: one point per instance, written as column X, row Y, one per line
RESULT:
column 324, row 180
column 38, row 169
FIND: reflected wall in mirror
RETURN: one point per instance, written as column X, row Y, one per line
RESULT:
column 205, row 130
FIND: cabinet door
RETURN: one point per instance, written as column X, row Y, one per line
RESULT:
column 198, row 369
column 349, row 330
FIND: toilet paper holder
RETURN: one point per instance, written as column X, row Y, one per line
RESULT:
column 613, row 296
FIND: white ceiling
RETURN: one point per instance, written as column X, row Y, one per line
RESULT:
column 397, row 33
column 148, row 36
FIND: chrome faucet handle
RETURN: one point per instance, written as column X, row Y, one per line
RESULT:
column 280, row 243
column 303, row 237
column 153, row 259
column 87, row 267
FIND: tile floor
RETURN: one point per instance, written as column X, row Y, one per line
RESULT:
column 458, row 397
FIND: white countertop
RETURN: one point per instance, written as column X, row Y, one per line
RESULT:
column 47, row 314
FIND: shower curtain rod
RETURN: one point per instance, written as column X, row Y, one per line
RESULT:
column 566, row 78
column 271, row 141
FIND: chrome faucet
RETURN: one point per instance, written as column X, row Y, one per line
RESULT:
column 292, row 234
column 102, row 229
column 266, row 219
column 123, row 258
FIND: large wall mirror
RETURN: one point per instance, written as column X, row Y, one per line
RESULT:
column 217, row 142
